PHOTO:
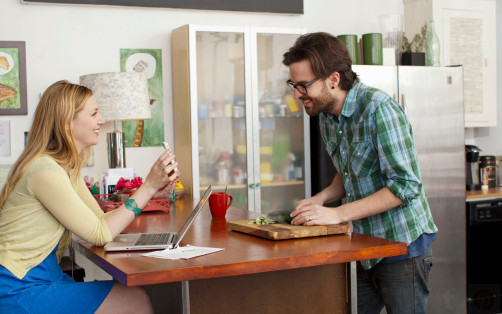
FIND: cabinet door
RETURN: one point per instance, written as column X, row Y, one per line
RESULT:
column 281, row 127
column 221, row 113
column 237, row 126
column 469, row 40
column 467, row 34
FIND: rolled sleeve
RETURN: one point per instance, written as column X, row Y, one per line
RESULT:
column 397, row 155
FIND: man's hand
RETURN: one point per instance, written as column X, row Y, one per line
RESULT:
column 310, row 212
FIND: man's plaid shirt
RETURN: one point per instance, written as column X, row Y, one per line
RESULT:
column 371, row 146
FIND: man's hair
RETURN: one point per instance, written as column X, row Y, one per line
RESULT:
column 326, row 53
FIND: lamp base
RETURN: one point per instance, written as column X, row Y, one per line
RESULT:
column 116, row 149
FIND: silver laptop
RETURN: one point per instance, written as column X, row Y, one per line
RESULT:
column 154, row 241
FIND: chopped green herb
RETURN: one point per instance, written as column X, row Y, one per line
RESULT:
column 262, row 221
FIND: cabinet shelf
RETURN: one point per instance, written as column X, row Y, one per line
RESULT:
column 293, row 116
column 263, row 185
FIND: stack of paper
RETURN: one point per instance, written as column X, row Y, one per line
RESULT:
column 184, row 252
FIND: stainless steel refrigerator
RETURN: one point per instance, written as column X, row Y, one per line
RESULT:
column 432, row 98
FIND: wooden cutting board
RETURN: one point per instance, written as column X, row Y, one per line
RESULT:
column 282, row 231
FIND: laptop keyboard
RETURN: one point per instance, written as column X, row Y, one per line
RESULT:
column 153, row 239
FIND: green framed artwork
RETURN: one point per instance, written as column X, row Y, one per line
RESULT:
column 13, row 78
column 143, row 133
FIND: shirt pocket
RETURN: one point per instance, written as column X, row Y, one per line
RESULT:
column 362, row 159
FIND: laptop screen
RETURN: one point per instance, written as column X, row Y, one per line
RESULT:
column 192, row 216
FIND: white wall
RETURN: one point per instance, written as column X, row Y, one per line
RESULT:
column 66, row 41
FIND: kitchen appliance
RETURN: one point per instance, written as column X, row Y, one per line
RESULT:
column 432, row 98
column 484, row 274
column 472, row 179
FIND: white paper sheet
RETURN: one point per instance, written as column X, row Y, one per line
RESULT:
column 184, row 252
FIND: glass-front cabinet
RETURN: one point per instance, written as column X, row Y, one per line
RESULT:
column 237, row 125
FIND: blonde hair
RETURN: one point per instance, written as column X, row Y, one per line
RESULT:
column 51, row 133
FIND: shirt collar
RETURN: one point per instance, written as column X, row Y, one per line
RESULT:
column 350, row 104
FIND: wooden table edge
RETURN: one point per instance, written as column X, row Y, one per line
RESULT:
column 239, row 268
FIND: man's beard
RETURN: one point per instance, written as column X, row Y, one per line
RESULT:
column 324, row 103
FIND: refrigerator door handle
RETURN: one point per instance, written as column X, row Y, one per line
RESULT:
column 403, row 103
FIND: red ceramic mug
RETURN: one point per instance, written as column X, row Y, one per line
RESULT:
column 219, row 202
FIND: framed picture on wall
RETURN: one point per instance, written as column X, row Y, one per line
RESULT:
column 13, row 78
column 144, row 133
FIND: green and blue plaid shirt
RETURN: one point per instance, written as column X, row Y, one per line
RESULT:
column 371, row 146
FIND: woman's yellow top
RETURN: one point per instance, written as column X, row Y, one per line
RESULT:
column 44, row 203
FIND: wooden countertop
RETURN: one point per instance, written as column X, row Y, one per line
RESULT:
column 481, row 194
column 243, row 254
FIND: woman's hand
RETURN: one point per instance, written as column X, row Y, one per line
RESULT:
column 166, row 191
column 162, row 176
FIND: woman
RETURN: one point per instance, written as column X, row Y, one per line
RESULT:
column 45, row 198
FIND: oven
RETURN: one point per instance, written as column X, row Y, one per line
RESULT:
column 484, row 265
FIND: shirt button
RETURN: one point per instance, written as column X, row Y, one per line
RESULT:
column 345, row 173
column 340, row 132
column 348, row 194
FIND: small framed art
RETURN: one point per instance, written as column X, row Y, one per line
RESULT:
column 13, row 78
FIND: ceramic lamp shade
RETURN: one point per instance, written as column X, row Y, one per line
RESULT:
column 120, row 96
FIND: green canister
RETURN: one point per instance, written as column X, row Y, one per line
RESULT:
column 350, row 42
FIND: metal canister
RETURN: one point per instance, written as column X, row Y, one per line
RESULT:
column 487, row 165
column 484, row 178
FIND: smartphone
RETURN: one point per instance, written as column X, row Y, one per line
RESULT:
column 166, row 146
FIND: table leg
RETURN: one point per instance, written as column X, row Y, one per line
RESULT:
column 185, row 294
column 353, row 287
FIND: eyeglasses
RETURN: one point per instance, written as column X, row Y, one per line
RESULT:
column 300, row 87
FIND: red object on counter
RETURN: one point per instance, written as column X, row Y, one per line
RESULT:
column 219, row 202
column 152, row 205
column 128, row 185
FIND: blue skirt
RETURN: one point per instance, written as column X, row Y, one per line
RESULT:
column 46, row 289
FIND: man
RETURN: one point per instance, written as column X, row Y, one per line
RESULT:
column 369, row 140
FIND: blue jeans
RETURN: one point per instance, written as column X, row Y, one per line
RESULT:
column 402, row 287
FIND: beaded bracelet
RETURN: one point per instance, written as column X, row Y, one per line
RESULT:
column 131, row 204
